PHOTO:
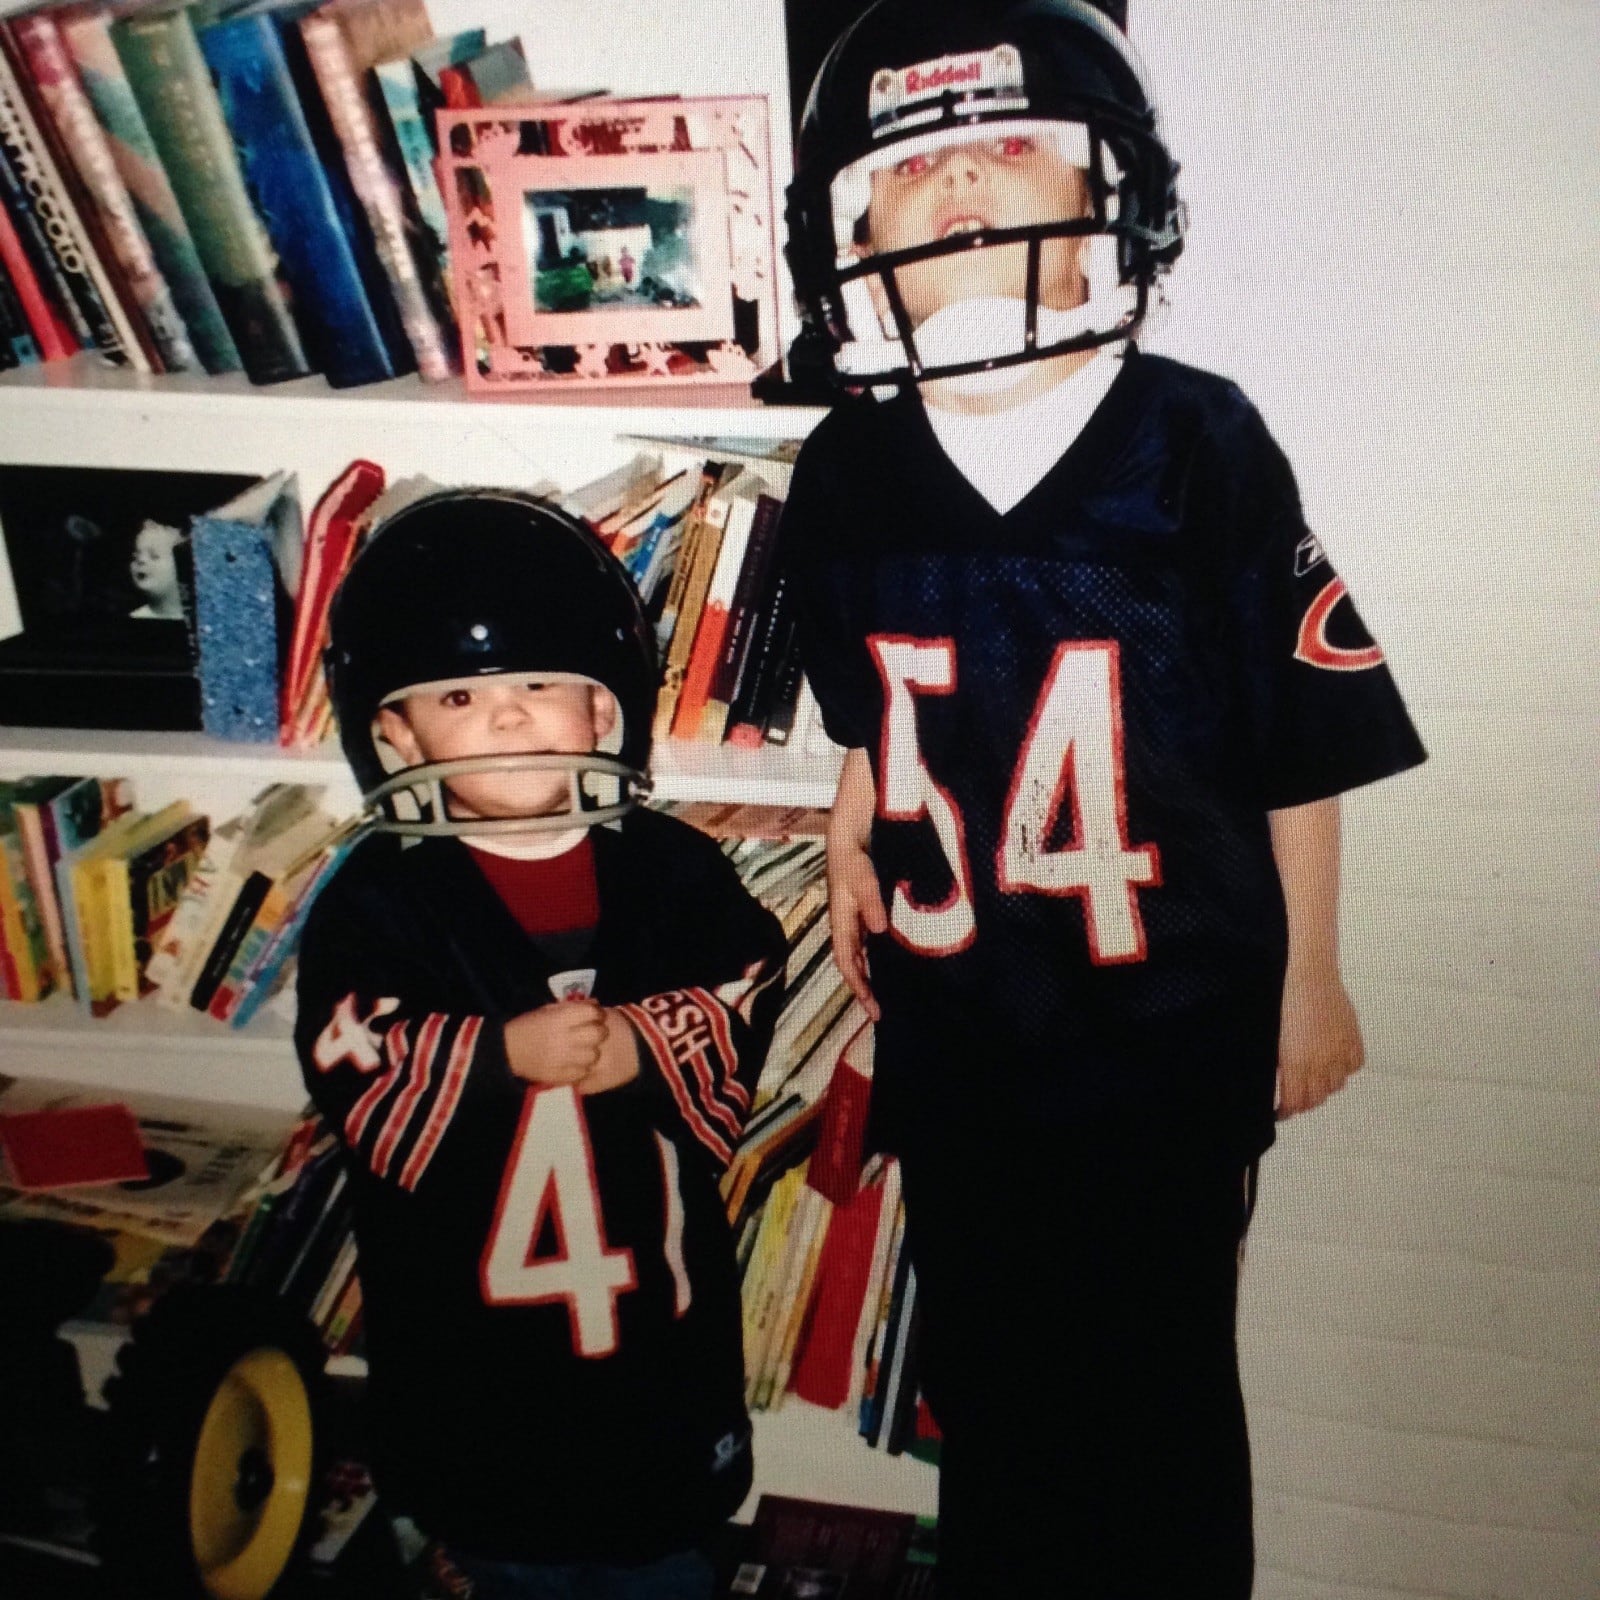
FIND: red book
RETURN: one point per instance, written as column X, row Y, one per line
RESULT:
column 835, row 1166
column 51, row 330
column 76, row 1145
column 329, row 544
column 822, row 1365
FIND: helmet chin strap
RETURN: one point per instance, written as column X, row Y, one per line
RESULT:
column 976, row 329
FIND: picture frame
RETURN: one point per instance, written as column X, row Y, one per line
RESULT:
column 98, row 623
column 608, row 242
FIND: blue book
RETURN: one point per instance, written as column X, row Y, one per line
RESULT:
column 246, row 569
column 297, row 196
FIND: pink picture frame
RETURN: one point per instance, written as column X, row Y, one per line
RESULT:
column 611, row 242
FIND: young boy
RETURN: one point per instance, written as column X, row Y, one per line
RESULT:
column 535, row 1028
column 1099, row 689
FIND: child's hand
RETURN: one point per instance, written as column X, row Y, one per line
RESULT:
column 1319, row 1043
column 619, row 1056
column 855, row 903
column 559, row 1043
column 855, row 909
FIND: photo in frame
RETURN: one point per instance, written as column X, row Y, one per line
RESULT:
column 610, row 242
column 96, row 596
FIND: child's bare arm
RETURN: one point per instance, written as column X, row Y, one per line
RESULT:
column 1319, row 1039
column 558, row 1043
column 855, row 905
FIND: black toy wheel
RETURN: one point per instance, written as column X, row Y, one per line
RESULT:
column 213, row 1455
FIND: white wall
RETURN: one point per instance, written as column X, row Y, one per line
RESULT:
column 1393, row 248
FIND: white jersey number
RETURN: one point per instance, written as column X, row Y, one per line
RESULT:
column 1072, row 756
column 550, row 1174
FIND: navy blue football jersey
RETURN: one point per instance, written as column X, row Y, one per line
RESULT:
column 1078, row 715
column 549, row 1288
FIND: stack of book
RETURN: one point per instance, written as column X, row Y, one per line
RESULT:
column 108, row 903
column 695, row 525
column 233, row 184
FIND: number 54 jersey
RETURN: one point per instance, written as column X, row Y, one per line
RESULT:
column 549, row 1289
column 1078, row 715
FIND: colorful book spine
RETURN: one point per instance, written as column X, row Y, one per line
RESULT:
column 49, row 327
column 18, row 347
column 43, row 212
column 752, row 593
column 63, row 98
column 284, row 170
column 376, row 188
column 171, row 82
column 86, row 32
column 400, row 85
column 21, row 918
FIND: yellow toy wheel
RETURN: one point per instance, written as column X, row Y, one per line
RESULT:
column 213, row 1457
column 252, row 1476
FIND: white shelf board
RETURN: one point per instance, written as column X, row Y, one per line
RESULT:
column 154, row 1049
column 683, row 771
column 85, row 385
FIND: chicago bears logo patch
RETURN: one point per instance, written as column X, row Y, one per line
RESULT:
column 1316, row 649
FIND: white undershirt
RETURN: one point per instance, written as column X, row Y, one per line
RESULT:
column 1003, row 454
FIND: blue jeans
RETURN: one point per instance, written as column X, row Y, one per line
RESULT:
column 685, row 1576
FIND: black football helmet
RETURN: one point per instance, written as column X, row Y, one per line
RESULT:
column 913, row 76
column 468, row 583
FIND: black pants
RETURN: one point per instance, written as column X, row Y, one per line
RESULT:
column 1078, row 1353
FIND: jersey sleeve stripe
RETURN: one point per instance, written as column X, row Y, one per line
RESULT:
column 395, row 1049
column 410, row 1097
column 661, row 1052
column 727, row 1056
column 740, row 995
column 445, row 1102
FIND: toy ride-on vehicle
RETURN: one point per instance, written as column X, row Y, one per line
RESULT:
column 196, row 1477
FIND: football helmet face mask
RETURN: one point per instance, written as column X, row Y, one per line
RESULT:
column 974, row 114
column 477, row 586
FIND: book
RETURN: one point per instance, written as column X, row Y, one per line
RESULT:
column 331, row 536
column 343, row 40
column 264, row 970
column 247, row 556
column 495, row 75
column 691, row 579
column 71, row 818
column 735, row 509
column 808, row 1547
column 293, row 168
column 752, row 593
column 757, row 693
column 42, row 46
column 147, row 882
column 30, row 968
column 278, row 810
column 100, row 885
column 18, row 347
column 49, row 328
column 824, row 1361
column 30, row 799
column 86, row 32
column 269, row 851
column 87, row 826
column 45, row 214
column 406, row 86
column 171, row 82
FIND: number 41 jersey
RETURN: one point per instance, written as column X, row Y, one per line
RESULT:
column 1078, row 715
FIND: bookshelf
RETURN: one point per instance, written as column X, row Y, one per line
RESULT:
column 81, row 413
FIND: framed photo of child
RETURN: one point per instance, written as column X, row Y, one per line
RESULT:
column 611, row 242
column 95, row 600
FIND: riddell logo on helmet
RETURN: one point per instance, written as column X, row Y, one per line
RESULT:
column 902, row 94
column 919, row 82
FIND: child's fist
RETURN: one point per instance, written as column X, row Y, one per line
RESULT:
column 619, row 1056
column 558, row 1043
column 1319, row 1044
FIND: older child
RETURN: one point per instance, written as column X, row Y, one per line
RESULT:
column 1099, row 689
column 535, row 1028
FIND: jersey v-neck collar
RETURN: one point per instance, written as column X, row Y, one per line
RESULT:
column 1081, row 464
